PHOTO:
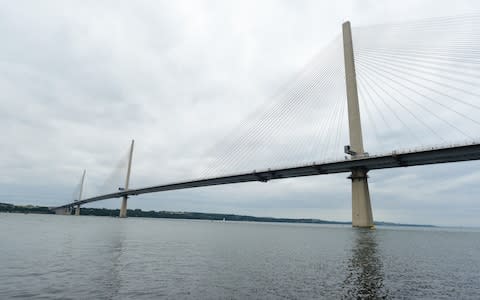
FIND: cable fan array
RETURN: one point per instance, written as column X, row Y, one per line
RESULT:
column 418, row 83
column 116, row 178
column 302, row 122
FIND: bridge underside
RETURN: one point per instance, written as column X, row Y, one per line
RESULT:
column 63, row 210
column 392, row 160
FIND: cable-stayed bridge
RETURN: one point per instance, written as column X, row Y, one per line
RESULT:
column 416, row 80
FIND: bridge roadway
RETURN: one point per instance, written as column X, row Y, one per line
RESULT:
column 394, row 159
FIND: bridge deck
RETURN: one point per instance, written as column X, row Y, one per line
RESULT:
column 391, row 160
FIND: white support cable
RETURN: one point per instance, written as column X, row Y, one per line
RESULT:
column 416, row 90
column 412, row 133
column 368, row 119
column 290, row 113
column 415, row 68
column 383, row 80
column 437, row 83
column 260, row 130
column 386, row 92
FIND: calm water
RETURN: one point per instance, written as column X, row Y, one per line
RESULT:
column 67, row 257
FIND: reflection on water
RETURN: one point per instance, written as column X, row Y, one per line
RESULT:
column 62, row 257
column 113, row 272
column 365, row 268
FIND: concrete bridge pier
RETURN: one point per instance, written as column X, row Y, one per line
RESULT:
column 123, row 208
column 361, row 208
column 64, row 211
column 77, row 210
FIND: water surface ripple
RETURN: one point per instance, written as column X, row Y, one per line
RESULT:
column 68, row 257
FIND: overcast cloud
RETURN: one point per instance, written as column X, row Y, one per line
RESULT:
column 80, row 79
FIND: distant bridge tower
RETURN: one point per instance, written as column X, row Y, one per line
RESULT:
column 361, row 208
column 80, row 193
column 123, row 208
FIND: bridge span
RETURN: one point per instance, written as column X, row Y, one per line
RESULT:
column 456, row 153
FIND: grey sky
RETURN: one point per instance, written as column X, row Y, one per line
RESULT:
column 79, row 79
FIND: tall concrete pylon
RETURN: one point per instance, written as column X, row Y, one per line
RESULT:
column 123, row 208
column 361, row 207
column 80, row 193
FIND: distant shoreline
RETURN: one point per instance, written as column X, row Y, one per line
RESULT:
column 11, row 208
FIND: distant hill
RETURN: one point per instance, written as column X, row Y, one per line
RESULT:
column 6, row 207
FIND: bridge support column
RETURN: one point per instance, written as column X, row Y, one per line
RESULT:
column 123, row 208
column 61, row 211
column 361, row 208
column 77, row 210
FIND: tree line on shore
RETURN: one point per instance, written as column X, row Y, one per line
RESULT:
column 5, row 207
column 105, row 212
